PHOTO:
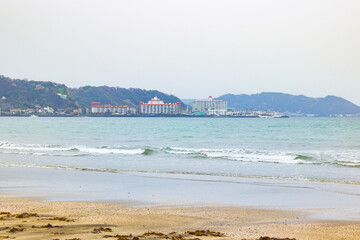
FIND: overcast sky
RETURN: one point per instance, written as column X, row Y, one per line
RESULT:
column 189, row 48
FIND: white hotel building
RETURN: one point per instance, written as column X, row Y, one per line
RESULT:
column 210, row 106
column 157, row 106
column 96, row 108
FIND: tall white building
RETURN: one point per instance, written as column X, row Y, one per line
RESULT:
column 157, row 106
column 210, row 106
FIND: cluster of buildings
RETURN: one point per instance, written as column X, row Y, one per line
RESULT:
column 205, row 107
column 152, row 107
column 8, row 110
column 156, row 106
column 37, row 110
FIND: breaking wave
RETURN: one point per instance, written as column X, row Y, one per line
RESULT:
column 60, row 150
column 347, row 158
column 244, row 155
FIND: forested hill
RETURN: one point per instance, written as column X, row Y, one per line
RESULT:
column 28, row 94
column 118, row 96
column 282, row 102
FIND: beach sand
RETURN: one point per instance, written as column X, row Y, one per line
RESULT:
column 95, row 220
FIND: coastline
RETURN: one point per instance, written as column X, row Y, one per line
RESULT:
column 324, row 200
column 135, row 116
column 94, row 220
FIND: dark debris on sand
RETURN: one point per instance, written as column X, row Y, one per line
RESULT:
column 14, row 230
column 26, row 215
column 101, row 229
column 272, row 238
column 46, row 226
column 206, row 233
column 172, row 236
column 64, row 219
column 189, row 235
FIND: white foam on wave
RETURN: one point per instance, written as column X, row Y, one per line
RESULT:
column 244, row 155
column 32, row 147
column 58, row 150
column 110, row 150
column 343, row 157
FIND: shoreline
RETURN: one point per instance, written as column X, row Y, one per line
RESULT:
column 94, row 220
column 136, row 116
column 325, row 201
column 145, row 205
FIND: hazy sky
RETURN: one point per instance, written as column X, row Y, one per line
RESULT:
column 190, row 48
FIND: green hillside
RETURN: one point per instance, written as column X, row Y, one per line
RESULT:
column 28, row 94
column 118, row 96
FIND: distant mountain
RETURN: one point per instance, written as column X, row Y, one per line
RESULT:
column 28, row 94
column 282, row 102
column 188, row 101
column 118, row 96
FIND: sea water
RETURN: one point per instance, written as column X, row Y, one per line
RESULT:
column 132, row 154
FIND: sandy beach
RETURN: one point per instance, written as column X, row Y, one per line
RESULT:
column 23, row 218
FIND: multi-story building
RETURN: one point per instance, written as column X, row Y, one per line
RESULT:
column 96, row 108
column 157, row 106
column 210, row 106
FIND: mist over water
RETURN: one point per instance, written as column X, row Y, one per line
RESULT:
column 301, row 149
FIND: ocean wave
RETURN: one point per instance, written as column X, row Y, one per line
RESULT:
column 244, row 155
column 303, row 157
column 96, row 150
column 60, row 150
column 148, row 151
column 348, row 163
column 343, row 158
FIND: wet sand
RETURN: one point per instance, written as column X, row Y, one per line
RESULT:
column 23, row 218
